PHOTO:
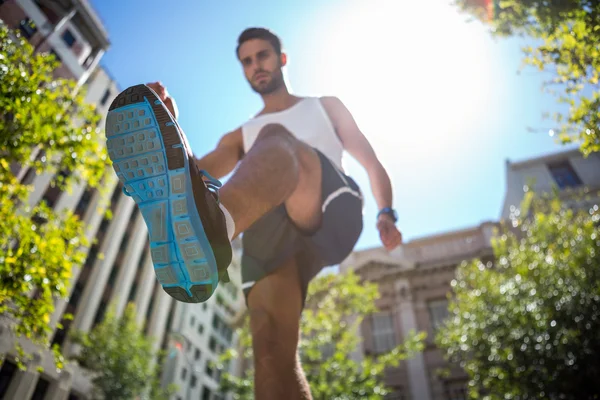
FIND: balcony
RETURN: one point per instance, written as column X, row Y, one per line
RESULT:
column 70, row 30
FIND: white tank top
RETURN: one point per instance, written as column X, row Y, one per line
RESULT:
column 308, row 121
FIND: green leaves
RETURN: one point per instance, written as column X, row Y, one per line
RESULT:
column 118, row 357
column 41, row 113
column 528, row 326
column 335, row 308
column 567, row 37
column 40, row 127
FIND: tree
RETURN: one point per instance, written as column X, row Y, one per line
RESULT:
column 119, row 359
column 528, row 327
column 566, row 43
column 44, row 125
column 336, row 305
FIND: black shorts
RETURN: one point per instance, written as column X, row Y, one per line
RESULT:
column 274, row 239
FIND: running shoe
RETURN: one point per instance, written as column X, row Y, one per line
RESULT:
column 180, row 204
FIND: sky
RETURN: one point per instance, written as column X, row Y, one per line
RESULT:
column 441, row 101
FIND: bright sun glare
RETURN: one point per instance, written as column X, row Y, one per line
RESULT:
column 419, row 75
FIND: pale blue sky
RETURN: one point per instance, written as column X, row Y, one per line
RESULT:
column 440, row 100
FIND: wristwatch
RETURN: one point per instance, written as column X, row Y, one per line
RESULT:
column 389, row 211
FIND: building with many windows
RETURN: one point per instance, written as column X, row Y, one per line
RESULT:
column 118, row 268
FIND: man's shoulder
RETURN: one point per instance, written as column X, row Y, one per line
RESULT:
column 333, row 106
column 330, row 100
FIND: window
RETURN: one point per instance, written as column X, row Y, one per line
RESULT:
column 438, row 312
column 100, row 313
column 206, row 393
column 84, row 202
column 397, row 394
column 212, row 344
column 209, row 370
column 29, row 176
column 197, row 354
column 193, row 381
column 183, row 374
column 69, row 38
column 456, row 390
column 7, row 371
column 200, row 329
column 74, row 396
column 227, row 333
column 56, row 56
column 383, row 332
column 53, row 192
column 28, row 27
column 105, row 97
column 192, row 320
column 564, row 174
column 40, row 389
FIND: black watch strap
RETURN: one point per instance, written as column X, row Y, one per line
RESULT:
column 389, row 211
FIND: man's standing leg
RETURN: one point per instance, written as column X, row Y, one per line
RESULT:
column 275, row 305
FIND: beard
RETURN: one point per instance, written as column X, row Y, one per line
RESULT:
column 271, row 86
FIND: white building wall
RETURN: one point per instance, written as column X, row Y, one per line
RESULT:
column 537, row 170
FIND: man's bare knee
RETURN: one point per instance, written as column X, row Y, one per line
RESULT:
column 276, row 130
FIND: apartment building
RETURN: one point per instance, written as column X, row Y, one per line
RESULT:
column 73, row 32
column 414, row 280
column 118, row 268
column 199, row 334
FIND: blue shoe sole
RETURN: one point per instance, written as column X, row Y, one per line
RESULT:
column 148, row 155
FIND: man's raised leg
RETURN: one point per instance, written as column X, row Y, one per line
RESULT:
column 278, row 169
column 275, row 305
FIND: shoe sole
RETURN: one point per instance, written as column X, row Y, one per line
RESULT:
column 149, row 158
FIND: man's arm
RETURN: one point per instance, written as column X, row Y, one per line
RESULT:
column 223, row 159
column 355, row 143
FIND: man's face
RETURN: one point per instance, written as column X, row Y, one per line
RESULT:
column 262, row 66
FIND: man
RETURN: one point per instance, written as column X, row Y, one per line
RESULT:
column 289, row 195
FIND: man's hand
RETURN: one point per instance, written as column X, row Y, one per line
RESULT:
column 160, row 90
column 164, row 96
column 389, row 234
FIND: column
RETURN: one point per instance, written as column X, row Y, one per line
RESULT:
column 92, row 218
column 97, row 56
column 158, row 319
column 405, row 312
column 144, row 291
column 133, row 252
column 23, row 383
column 68, row 201
column 92, row 293
column 60, row 388
column 40, row 184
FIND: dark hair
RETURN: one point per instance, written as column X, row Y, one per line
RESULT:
column 259, row 33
